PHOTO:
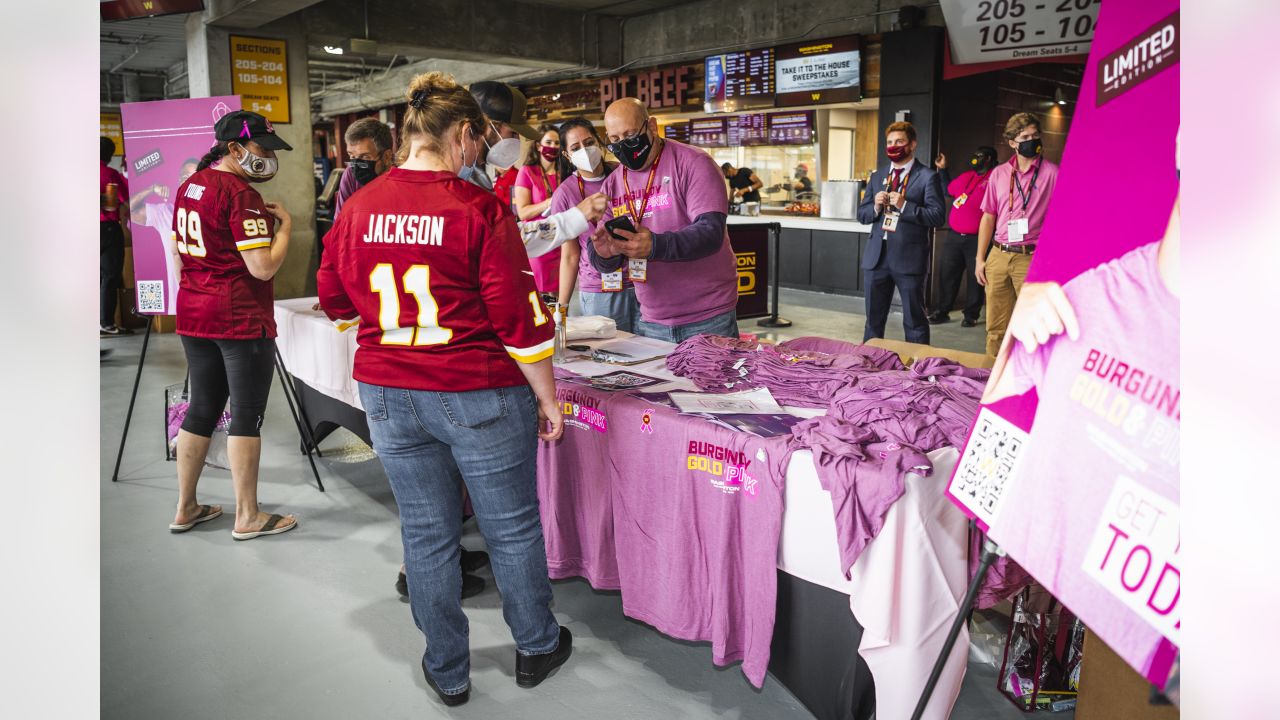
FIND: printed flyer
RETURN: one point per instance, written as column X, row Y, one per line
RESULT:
column 1072, row 465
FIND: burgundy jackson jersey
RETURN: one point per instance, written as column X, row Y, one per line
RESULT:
column 434, row 271
column 216, row 216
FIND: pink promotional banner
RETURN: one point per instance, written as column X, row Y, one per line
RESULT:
column 1072, row 464
column 163, row 143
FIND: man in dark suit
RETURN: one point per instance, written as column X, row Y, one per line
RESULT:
column 903, row 201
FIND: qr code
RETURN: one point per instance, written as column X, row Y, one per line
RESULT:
column 151, row 296
column 983, row 474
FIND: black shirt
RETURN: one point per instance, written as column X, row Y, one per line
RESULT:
column 805, row 183
column 743, row 180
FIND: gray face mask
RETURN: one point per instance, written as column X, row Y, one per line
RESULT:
column 259, row 169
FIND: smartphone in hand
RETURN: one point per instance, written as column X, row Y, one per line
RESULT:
column 622, row 222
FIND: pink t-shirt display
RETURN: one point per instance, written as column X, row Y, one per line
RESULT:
column 686, row 184
column 1108, row 423
column 546, row 268
column 996, row 199
column 568, row 195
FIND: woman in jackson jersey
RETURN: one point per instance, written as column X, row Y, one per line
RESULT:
column 231, row 244
column 454, row 367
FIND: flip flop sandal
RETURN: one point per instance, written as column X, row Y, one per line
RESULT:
column 207, row 513
column 268, row 529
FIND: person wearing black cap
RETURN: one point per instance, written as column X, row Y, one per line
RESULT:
column 504, row 109
column 232, row 244
column 960, row 251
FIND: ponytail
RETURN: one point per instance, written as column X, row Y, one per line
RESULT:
column 216, row 153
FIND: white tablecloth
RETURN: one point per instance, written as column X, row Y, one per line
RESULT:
column 907, row 585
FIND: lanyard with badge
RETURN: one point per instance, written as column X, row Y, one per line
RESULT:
column 638, row 270
column 611, row 281
column 546, row 185
column 890, row 222
column 1019, row 227
column 973, row 185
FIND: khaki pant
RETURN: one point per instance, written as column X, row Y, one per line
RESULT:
column 1006, row 272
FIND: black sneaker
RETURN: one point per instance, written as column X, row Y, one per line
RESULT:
column 473, row 560
column 472, row 585
column 968, row 323
column 939, row 318
column 450, row 700
column 109, row 330
column 533, row 669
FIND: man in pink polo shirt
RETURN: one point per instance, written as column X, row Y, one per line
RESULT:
column 679, row 257
column 1013, row 211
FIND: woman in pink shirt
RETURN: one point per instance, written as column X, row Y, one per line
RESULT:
column 535, row 184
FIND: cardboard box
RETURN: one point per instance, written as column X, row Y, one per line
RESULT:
column 910, row 352
column 1110, row 689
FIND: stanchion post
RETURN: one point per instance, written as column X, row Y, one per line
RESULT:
column 773, row 321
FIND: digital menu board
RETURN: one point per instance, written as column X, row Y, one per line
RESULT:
column 749, row 130
column 741, row 80
column 709, row 132
column 821, row 71
column 678, row 131
column 791, row 128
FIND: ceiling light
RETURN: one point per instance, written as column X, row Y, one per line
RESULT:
column 1058, row 97
column 333, row 50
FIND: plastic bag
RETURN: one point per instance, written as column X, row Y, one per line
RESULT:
column 1041, row 665
column 176, row 403
column 585, row 327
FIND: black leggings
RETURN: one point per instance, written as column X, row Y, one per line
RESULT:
column 239, row 368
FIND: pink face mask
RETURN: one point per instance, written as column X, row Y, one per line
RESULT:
column 549, row 153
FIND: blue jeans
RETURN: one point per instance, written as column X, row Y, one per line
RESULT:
column 622, row 306
column 725, row 324
column 430, row 442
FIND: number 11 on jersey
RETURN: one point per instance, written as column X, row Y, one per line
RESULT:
column 416, row 282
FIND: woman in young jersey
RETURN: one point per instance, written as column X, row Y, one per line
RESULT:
column 454, row 367
column 231, row 244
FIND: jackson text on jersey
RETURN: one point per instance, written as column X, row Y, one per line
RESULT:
column 405, row 229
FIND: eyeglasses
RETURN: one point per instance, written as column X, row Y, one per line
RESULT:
column 630, row 142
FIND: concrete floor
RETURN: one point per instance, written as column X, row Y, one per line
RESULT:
column 308, row 624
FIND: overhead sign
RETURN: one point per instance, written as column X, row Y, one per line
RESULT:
column 111, row 10
column 657, row 89
column 260, row 76
column 109, row 124
column 992, row 30
column 739, row 80
column 821, row 71
column 164, row 142
column 1073, row 463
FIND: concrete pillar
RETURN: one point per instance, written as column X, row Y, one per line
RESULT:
column 209, row 74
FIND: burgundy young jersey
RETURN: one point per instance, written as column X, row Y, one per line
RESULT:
column 216, row 216
column 434, row 271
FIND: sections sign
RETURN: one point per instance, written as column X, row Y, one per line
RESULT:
column 260, row 76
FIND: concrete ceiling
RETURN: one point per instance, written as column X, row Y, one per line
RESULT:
column 159, row 42
column 619, row 8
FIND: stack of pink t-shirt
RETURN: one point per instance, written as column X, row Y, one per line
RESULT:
column 799, row 378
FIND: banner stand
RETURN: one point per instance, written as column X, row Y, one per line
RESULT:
column 300, row 421
column 990, row 551
column 773, row 321
column 304, row 430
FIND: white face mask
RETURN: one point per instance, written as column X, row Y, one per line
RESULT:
column 586, row 158
column 504, row 153
column 259, row 169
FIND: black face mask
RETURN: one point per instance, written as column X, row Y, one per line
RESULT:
column 1030, row 148
column 980, row 162
column 364, row 171
column 633, row 151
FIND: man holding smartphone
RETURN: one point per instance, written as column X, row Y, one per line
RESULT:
column 676, row 249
